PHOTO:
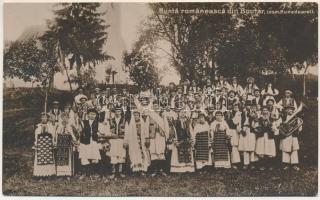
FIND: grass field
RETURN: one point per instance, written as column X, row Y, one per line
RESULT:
column 18, row 165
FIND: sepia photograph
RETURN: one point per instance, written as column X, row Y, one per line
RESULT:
column 160, row 99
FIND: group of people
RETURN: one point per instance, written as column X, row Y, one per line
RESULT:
column 177, row 129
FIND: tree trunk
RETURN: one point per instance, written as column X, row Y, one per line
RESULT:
column 80, row 82
column 51, row 80
column 304, row 79
column 292, row 75
column 69, row 80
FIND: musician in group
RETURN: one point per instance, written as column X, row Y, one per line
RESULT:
column 289, row 143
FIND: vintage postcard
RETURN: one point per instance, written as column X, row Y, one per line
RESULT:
column 169, row 99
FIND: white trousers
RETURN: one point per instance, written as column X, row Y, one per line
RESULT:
column 249, row 157
column 290, row 157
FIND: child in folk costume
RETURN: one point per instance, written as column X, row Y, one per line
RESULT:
column 182, row 155
column 234, row 123
column 117, row 146
column 289, row 143
column 64, row 152
column 247, row 139
column 265, row 144
column 44, row 163
column 89, row 149
column 202, row 142
column 137, row 138
column 219, row 131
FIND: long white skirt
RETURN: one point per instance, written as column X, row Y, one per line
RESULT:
column 117, row 152
column 89, row 152
column 265, row 146
column 247, row 142
column 177, row 166
column 157, row 147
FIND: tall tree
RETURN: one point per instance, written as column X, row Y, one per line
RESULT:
column 80, row 33
column 30, row 60
column 194, row 38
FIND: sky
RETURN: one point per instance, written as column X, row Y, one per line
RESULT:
column 123, row 18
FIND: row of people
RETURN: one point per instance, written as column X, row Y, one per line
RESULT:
column 243, row 134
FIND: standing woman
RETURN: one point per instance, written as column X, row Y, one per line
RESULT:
column 269, row 92
column 202, row 142
column 182, row 155
column 44, row 163
column 219, row 131
column 64, row 152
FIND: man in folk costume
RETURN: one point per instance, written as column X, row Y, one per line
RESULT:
column 289, row 143
column 202, row 142
column 257, row 99
column 265, row 144
column 44, row 162
column 287, row 101
column 83, row 108
column 236, row 87
column 182, row 156
column 78, row 97
column 89, row 149
column 117, row 146
column 65, row 142
column 222, row 83
column 159, row 134
column 220, row 136
column 137, row 138
column 194, row 88
column 247, row 139
column 234, row 123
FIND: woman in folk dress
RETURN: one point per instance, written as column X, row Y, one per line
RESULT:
column 44, row 162
column 64, row 151
column 202, row 142
column 182, row 156
column 219, row 131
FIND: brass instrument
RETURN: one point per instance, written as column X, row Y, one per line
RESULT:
column 291, row 124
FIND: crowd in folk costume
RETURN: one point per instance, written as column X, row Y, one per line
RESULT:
column 177, row 129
